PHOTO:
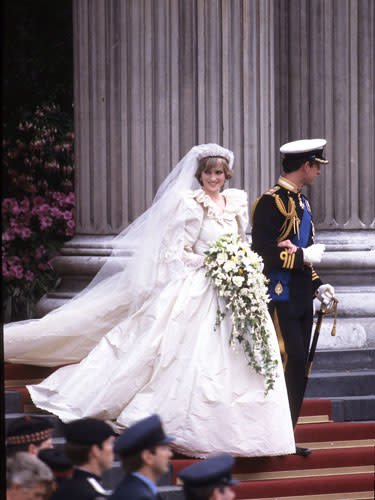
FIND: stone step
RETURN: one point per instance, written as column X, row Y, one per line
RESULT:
column 341, row 383
column 353, row 408
column 344, row 359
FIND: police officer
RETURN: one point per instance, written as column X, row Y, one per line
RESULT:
column 89, row 446
column 283, row 234
column 30, row 434
column 145, row 453
column 209, row 479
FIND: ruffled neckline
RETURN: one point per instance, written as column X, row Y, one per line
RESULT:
column 213, row 210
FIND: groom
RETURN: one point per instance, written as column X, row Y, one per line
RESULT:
column 283, row 234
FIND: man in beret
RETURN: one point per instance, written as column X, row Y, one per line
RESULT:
column 27, row 477
column 145, row 453
column 30, row 434
column 209, row 479
column 89, row 446
column 283, row 234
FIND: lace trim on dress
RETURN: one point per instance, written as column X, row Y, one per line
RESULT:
column 235, row 200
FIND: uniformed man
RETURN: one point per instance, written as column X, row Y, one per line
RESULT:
column 209, row 479
column 283, row 234
column 89, row 446
column 30, row 434
column 145, row 453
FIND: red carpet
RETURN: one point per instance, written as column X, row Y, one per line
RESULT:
column 312, row 407
column 334, row 431
column 340, row 467
column 319, row 459
column 307, row 486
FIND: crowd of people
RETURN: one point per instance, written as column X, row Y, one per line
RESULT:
column 145, row 336
column 90, row 446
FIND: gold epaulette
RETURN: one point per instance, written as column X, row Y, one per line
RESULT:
column 291, row 218
column 271, row 191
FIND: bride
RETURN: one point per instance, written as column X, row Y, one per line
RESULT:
column 141, row 337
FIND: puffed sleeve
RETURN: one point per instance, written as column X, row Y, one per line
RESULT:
column 193, row 222
column 237, row 199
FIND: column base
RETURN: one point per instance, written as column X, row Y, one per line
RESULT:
column 80, row 260
column 348, row 264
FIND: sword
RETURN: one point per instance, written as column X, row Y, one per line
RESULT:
column 329, row 308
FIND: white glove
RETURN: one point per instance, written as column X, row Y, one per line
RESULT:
column 325, row 293
column 314, row 253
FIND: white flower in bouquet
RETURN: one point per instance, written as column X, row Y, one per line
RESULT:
column 236, row 272
column 221, row 258
column 229, row 266
column 238, row 280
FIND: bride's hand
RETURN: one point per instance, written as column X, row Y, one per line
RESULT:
column 289, row 245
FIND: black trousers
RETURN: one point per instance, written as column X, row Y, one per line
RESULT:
column 293, row 323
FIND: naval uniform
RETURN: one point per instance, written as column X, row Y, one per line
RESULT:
column 84, row 485
column 279, row 214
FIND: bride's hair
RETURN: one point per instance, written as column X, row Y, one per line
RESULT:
column 205, row 164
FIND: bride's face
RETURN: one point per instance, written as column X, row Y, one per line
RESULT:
column 213, row 179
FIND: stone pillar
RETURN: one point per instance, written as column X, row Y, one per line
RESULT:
column 325, row 88
column 152, row 79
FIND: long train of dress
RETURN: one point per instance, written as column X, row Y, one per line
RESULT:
column 167, row 357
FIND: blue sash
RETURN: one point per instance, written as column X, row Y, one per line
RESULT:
column 304, row 228
column 280, row 278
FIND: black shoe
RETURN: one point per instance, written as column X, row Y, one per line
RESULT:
column 302, row 452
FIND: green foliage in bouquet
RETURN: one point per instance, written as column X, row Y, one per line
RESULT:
column 236, row 272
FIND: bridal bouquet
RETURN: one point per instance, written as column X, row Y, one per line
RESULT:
column 236, row 272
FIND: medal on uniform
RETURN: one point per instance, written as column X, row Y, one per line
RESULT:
column 301, row 204
column 308, row 206
column 279, row 288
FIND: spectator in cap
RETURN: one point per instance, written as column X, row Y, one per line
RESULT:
column 209, row 479
column 145, row 452
column 28, row 478
column 30, row 434
column 89, row 446
column 283, row 234
column 58, row 462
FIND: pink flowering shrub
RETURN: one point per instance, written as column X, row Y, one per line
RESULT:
column 37, row 207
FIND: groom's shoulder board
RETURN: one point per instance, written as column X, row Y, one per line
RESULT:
column 270, row 192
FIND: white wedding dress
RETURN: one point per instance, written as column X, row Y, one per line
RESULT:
column 165, row 356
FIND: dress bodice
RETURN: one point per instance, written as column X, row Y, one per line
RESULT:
column 208, row 222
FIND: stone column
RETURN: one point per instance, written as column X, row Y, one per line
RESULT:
column 152, row 79
column 325, row 88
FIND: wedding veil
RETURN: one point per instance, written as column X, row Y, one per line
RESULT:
column 149, row 251
column 146, row 256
